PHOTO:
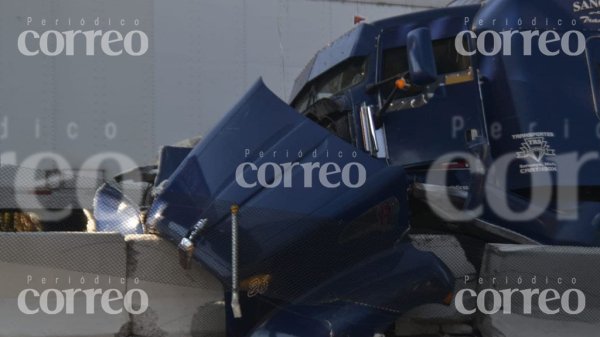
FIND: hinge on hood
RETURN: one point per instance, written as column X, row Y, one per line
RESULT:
column 186, row 245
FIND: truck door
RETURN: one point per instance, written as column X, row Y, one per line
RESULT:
column 423, row 124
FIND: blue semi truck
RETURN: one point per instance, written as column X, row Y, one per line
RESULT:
column 478, row 122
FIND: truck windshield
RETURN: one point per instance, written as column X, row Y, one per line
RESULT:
column 341, row 77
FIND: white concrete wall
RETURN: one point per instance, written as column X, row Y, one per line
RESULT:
column 227, row 45
column 204, row 55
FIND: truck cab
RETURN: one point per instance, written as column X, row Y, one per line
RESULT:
column 346, row 85
column 484, row 80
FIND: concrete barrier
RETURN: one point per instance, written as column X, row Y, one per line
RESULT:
column 91, row 285
column 183, row 302
column 55, row 262
column 540, row 267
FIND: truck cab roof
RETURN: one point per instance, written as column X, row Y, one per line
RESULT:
column 361, row 40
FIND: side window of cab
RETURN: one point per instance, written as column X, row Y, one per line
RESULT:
column 395, row 63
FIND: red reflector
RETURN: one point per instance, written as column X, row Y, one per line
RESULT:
column 358, row 19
